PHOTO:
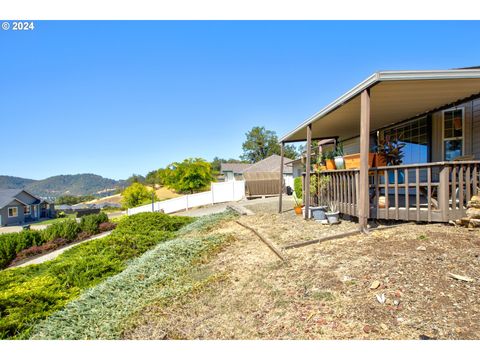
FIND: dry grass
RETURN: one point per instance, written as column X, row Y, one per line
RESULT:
column 116, row 199
column 162, row 193
column 323, row 292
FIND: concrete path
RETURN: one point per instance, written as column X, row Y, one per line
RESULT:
column 252, row 205
column 52, row 255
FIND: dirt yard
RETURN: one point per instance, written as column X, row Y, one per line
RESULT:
column 390, row 284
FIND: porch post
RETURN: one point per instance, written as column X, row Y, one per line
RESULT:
column 307, row 171
column 443, row 194
column 281, row 178
column 364, row 198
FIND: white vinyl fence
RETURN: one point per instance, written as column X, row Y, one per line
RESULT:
column 219, row 193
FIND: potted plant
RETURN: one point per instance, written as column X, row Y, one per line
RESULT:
column 333, row 215
column 298, row 204
column 321, row 183
column 352, row 161
column 391, row 150
column 329, row 160
column 320, row 162
column 338, row 156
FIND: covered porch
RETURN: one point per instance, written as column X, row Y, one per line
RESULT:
column 431, row 192
column 436, row 187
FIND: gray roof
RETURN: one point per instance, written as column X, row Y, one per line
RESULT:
column 7, row 196
column 236, row 168
column 271, row 164
column 63, row 207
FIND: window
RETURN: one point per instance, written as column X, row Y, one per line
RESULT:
column 452, row 134
column 26, row 210
column 12, row 212
column 415, row 134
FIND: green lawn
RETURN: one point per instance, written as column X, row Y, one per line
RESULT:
column 52, row 221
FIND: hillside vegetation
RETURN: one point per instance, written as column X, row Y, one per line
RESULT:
column 79, row 184
column 13, row 182
column 162, row 274
column 32, row 293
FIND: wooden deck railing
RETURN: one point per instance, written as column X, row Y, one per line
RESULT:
column 433, row 192
column 341, row 190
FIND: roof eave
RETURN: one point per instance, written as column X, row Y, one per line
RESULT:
column 385, row 76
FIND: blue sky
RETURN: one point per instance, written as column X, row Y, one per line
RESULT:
column 116, row 98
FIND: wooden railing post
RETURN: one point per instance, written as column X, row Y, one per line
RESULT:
column 443, row 196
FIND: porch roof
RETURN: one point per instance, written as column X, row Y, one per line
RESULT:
column 395, row 96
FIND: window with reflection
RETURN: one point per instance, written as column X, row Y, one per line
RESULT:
column 415, row 135
column 452, row 134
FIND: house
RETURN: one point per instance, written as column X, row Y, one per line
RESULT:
column 233, row 171
column 436, row 114
column 262, row 178
column 298, row 165
column 18, row 206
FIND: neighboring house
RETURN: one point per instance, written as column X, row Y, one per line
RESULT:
column 233, row 171
column 436, row 114
column 298, row 165
column 262, row 178
column 17, row 206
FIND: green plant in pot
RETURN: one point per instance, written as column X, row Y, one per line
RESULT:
column 319, row 183
column 333, row 215
column 320, row 162
column 298, row 204
column 338, row 156
column 392, row 151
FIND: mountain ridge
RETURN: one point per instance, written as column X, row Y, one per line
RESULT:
column 54, row 186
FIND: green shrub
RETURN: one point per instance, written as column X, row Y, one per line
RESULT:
column 32, row 293
column 90, row 223
column 65, row 229
column 11, row 244
column 297, row 185
column 105, row 311
column 145, row 223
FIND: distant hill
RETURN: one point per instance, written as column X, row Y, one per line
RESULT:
column 80, row 184
column 12, row 182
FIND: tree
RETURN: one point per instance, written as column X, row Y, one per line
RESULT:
column 190, row 175
column 262, row 143
column 216, row 163
column 72, row 200
column 291, row 152
column 135, row 178
column 137, row 194
column 152, row 178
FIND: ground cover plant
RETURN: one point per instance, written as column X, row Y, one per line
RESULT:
column 15, row 247
column 161, row 274
column 32, row 293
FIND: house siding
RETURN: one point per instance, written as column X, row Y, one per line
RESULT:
column 436, row 153
column 351, row 146
column 12, row 220
column 476, row 128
